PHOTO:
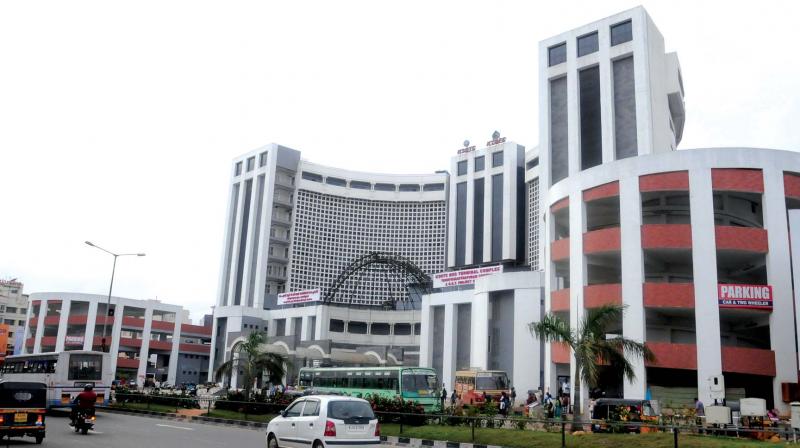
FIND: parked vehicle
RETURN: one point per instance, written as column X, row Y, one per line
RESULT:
column 409, row 383
column 474, row 384
column 320, row 421
column 609, row 413
column 22, row 409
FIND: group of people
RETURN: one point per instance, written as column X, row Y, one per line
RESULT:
column 505, row 403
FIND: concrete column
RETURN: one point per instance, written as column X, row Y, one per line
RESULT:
column 290, row 327
column 145, row 350
column 633, row 322
column 237, row 227
column 212, row 352
column 426, row 333
column 479, row 346
column 779, row 274
column 91, row 324
column 62, row 325
column 606, row 94
column 704, row 261
column 37, row 342
column 794, row 233
column 577, row 279
column 527, row 349
column 449, row 348
column 272, row 328
column 174, row 356
column 116, row 333
column 305, row 332
column 321, row 323
column 549, row 280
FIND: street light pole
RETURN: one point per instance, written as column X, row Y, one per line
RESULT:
column 103, row 345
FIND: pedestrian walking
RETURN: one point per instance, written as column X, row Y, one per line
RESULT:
column 453, row 398
column 504, row 401
column 444, row 396
column 513, row 396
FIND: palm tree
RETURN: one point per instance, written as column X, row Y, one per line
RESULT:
column 253, row 362
column 591, row 347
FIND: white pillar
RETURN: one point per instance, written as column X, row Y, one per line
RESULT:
column 116, row 333
column 449, row 346
column 305, row 332
column 91, row 323
column 172, row 369
column 577, row 280
column 213, row 350
column 794, row 232
column 704, row 262
column 779, row 273
column 37, row 342
column 633, row 322
column 479, row 346
column 426, row 333
column 145, row 350
column 272, row 328
column 62, row 325
column 321, row 323
column 525, row 374
column 290, row 326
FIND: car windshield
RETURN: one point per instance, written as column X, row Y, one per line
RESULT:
column 491, row 381
column 342, row 410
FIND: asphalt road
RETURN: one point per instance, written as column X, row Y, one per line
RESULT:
column 128, row 431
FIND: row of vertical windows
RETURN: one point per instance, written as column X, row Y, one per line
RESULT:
column 251, row 163
column 479, row 163
column 589, row 43
column 361, row 185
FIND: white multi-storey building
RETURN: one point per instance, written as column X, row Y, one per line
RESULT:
column 13, row 307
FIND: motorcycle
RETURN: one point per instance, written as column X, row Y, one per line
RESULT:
column 84, row 421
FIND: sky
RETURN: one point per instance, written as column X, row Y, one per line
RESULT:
column 119, row 120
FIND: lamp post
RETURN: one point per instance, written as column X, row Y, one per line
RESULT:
column 110, row 287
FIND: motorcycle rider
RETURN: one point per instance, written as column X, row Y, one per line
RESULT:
column 84, row 402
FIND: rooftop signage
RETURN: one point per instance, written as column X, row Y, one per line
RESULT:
column 745, row 296
column 496, row 141
column 466, row 149
column 298, row 297
column 464, row 276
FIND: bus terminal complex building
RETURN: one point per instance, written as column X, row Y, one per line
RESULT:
column 696, row 244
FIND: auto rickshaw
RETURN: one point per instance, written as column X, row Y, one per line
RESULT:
column 22, row 409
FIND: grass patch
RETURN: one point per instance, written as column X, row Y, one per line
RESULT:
column 526, row 439
column 233, row 415
column 144, row 407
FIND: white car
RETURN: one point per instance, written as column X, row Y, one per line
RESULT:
column 322, row 421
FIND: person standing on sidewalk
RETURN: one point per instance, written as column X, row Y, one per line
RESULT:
column 443, row 396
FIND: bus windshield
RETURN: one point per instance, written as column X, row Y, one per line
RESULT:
column 491, row 381
column 85, row 367
column 420, row 382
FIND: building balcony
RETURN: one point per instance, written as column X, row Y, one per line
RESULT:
column 672, row 181
column 162, row 325
column 732, row 179
column 33, row 321
column 127, row 363
column 195, row 330
column 595, row 296
column 608, row 190
column 673, row 356
column 284, row 202
column 133, row 322
column 741, row 239
column 668, row 295
column 195, row 348
column 79, row 319
column 48, row 341
column 559, row 249
column 99, row 320
column 281, row 220
column 559, row 300
column 30, row 342
column 160, row 345
column 753, row 361
column 667, row 236
column 52, row 320
column 791, row 186
column 559, row 353
column 126, row 342
column 601, row 241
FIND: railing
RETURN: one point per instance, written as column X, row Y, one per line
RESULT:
column 460, row 426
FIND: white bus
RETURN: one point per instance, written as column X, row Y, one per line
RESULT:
column 64, row 373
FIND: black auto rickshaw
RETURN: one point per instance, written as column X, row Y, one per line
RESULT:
column 22, row 409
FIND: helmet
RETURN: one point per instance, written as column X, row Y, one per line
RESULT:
column 88, row 387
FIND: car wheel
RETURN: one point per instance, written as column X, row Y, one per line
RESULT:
column 272, row 442
column 318, row 444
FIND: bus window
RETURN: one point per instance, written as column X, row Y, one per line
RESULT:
column 418, row 382
column 85, row 367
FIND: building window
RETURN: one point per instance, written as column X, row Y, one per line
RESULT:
column 557, row 54
column 360, row 185
column 533, row 163
column 479, row 163
column 385, row 187
column 335, row 181
column 497, row 159
column 433, row 187
column 262, row 159
column 587, row 44
column 311, row 176
column 251, row 163
column 462, row 168
column 238, row 170
column 409, row 187
column 621, row 33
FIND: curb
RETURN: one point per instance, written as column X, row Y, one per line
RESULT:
column 425, row 443
column 189, row 419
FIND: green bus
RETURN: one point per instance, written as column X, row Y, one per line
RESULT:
column 410, row 383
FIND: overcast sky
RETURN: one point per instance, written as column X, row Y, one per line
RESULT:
column 118, row 120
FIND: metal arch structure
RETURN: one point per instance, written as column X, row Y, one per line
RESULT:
column 415, row 278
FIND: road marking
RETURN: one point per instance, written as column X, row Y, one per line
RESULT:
column 175, row 427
